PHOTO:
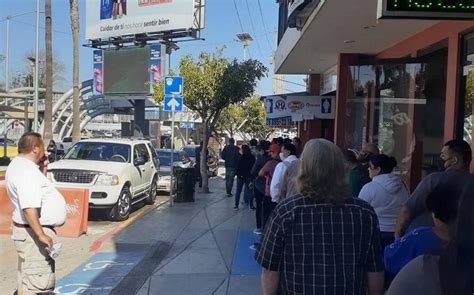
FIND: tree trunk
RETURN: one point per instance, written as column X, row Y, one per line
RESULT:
column 76, row 120
column 205, row 141
column 48, row 99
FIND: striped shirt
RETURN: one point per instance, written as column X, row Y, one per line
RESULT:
column 321, row 248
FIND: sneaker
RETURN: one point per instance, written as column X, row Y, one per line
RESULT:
column 236, row 207
column 257, row 231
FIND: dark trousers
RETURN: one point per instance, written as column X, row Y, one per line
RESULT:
column 267, row 209
column 229, row 179
column 386, row 238
column 243, row 183
column 259, row 207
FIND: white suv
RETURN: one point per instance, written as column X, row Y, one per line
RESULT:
column 117, row 172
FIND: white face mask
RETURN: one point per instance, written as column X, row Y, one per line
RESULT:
column 282, row 156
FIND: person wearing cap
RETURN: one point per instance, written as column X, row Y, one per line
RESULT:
column 267, row 171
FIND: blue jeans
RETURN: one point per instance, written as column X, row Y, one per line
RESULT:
column 229, row 179
column 241, row 182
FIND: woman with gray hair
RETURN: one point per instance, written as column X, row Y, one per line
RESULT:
column 321, row 240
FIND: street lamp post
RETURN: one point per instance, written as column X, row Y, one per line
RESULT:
column 245, row 38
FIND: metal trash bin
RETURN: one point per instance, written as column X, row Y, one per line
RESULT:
column 184, row 182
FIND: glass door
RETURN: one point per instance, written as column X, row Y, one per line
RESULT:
column 399, row 105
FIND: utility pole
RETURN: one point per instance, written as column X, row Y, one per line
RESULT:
column 35, row 120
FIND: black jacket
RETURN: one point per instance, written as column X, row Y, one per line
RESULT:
column 245, row 166
column 231, row 156
column 259, row 182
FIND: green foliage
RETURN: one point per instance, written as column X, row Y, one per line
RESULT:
column 212, row 82
column 247, row 117
column 232, row 119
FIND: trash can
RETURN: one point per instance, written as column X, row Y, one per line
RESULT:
column 184, row 182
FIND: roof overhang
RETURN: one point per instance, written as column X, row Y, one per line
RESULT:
column 340, row 26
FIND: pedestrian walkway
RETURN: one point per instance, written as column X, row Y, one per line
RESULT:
column 189, row 248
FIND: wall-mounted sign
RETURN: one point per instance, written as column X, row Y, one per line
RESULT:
column 430, row 9
column 298, row 108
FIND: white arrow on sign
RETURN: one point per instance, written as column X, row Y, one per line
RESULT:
column 173, row 104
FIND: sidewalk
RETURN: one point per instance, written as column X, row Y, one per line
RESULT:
column 189, row 248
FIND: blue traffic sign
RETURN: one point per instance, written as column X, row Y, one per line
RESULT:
column 173, row 86
column 186, row 125
column 173, row 104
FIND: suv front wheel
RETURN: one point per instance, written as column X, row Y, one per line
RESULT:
column 150, row 200
column 123, row 207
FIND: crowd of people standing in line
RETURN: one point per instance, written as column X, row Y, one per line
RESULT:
column 342, row 222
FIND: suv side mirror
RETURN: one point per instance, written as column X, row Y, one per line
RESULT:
column 138, row 161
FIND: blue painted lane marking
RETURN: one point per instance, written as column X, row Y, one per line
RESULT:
column 244, row 262
column 100, row 274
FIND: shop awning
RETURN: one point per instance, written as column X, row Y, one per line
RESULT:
column 337, row 26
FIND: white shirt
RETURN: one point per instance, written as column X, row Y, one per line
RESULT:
column 277, row 177
column 27, row 187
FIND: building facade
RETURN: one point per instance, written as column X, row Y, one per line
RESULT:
column 404, row 84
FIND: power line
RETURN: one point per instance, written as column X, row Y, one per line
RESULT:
column 56, row 31
column 253, row 30
column 264, row 24
column 238, row 16
column 283, row 80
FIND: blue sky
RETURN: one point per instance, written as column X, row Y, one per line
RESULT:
column 222, row 25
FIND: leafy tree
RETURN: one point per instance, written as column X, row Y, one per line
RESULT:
column 248, row 117
column 212, row 83
column 232, row 119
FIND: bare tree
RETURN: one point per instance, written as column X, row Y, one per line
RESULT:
column 76, row 120
column 48, row 100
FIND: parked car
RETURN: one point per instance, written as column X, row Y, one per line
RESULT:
column 212, row 159
column 12, row 149
column 164, row 156
column 117, row 172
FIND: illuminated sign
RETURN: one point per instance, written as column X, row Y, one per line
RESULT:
column 429, row 9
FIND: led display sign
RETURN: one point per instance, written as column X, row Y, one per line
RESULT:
column 429, row 9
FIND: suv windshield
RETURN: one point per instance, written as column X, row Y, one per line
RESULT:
column 99, row 151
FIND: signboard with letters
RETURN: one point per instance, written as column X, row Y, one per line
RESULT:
column 426, row 9
column 109, row 18
column 299, row 108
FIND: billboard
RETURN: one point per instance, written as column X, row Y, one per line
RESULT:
column 113, row 18
column 132, row 71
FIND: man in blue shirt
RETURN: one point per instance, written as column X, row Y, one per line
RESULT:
column 443, row 205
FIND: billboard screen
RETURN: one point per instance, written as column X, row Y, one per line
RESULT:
column 113, row 18
column 126, row 71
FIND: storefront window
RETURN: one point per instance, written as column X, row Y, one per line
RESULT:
column 468, row 87
column 400, row 107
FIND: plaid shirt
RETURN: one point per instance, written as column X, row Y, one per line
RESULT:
column 321, row 248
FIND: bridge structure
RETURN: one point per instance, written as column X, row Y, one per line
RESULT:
column 16, row 106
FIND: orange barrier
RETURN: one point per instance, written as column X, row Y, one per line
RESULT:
column 77, row 205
